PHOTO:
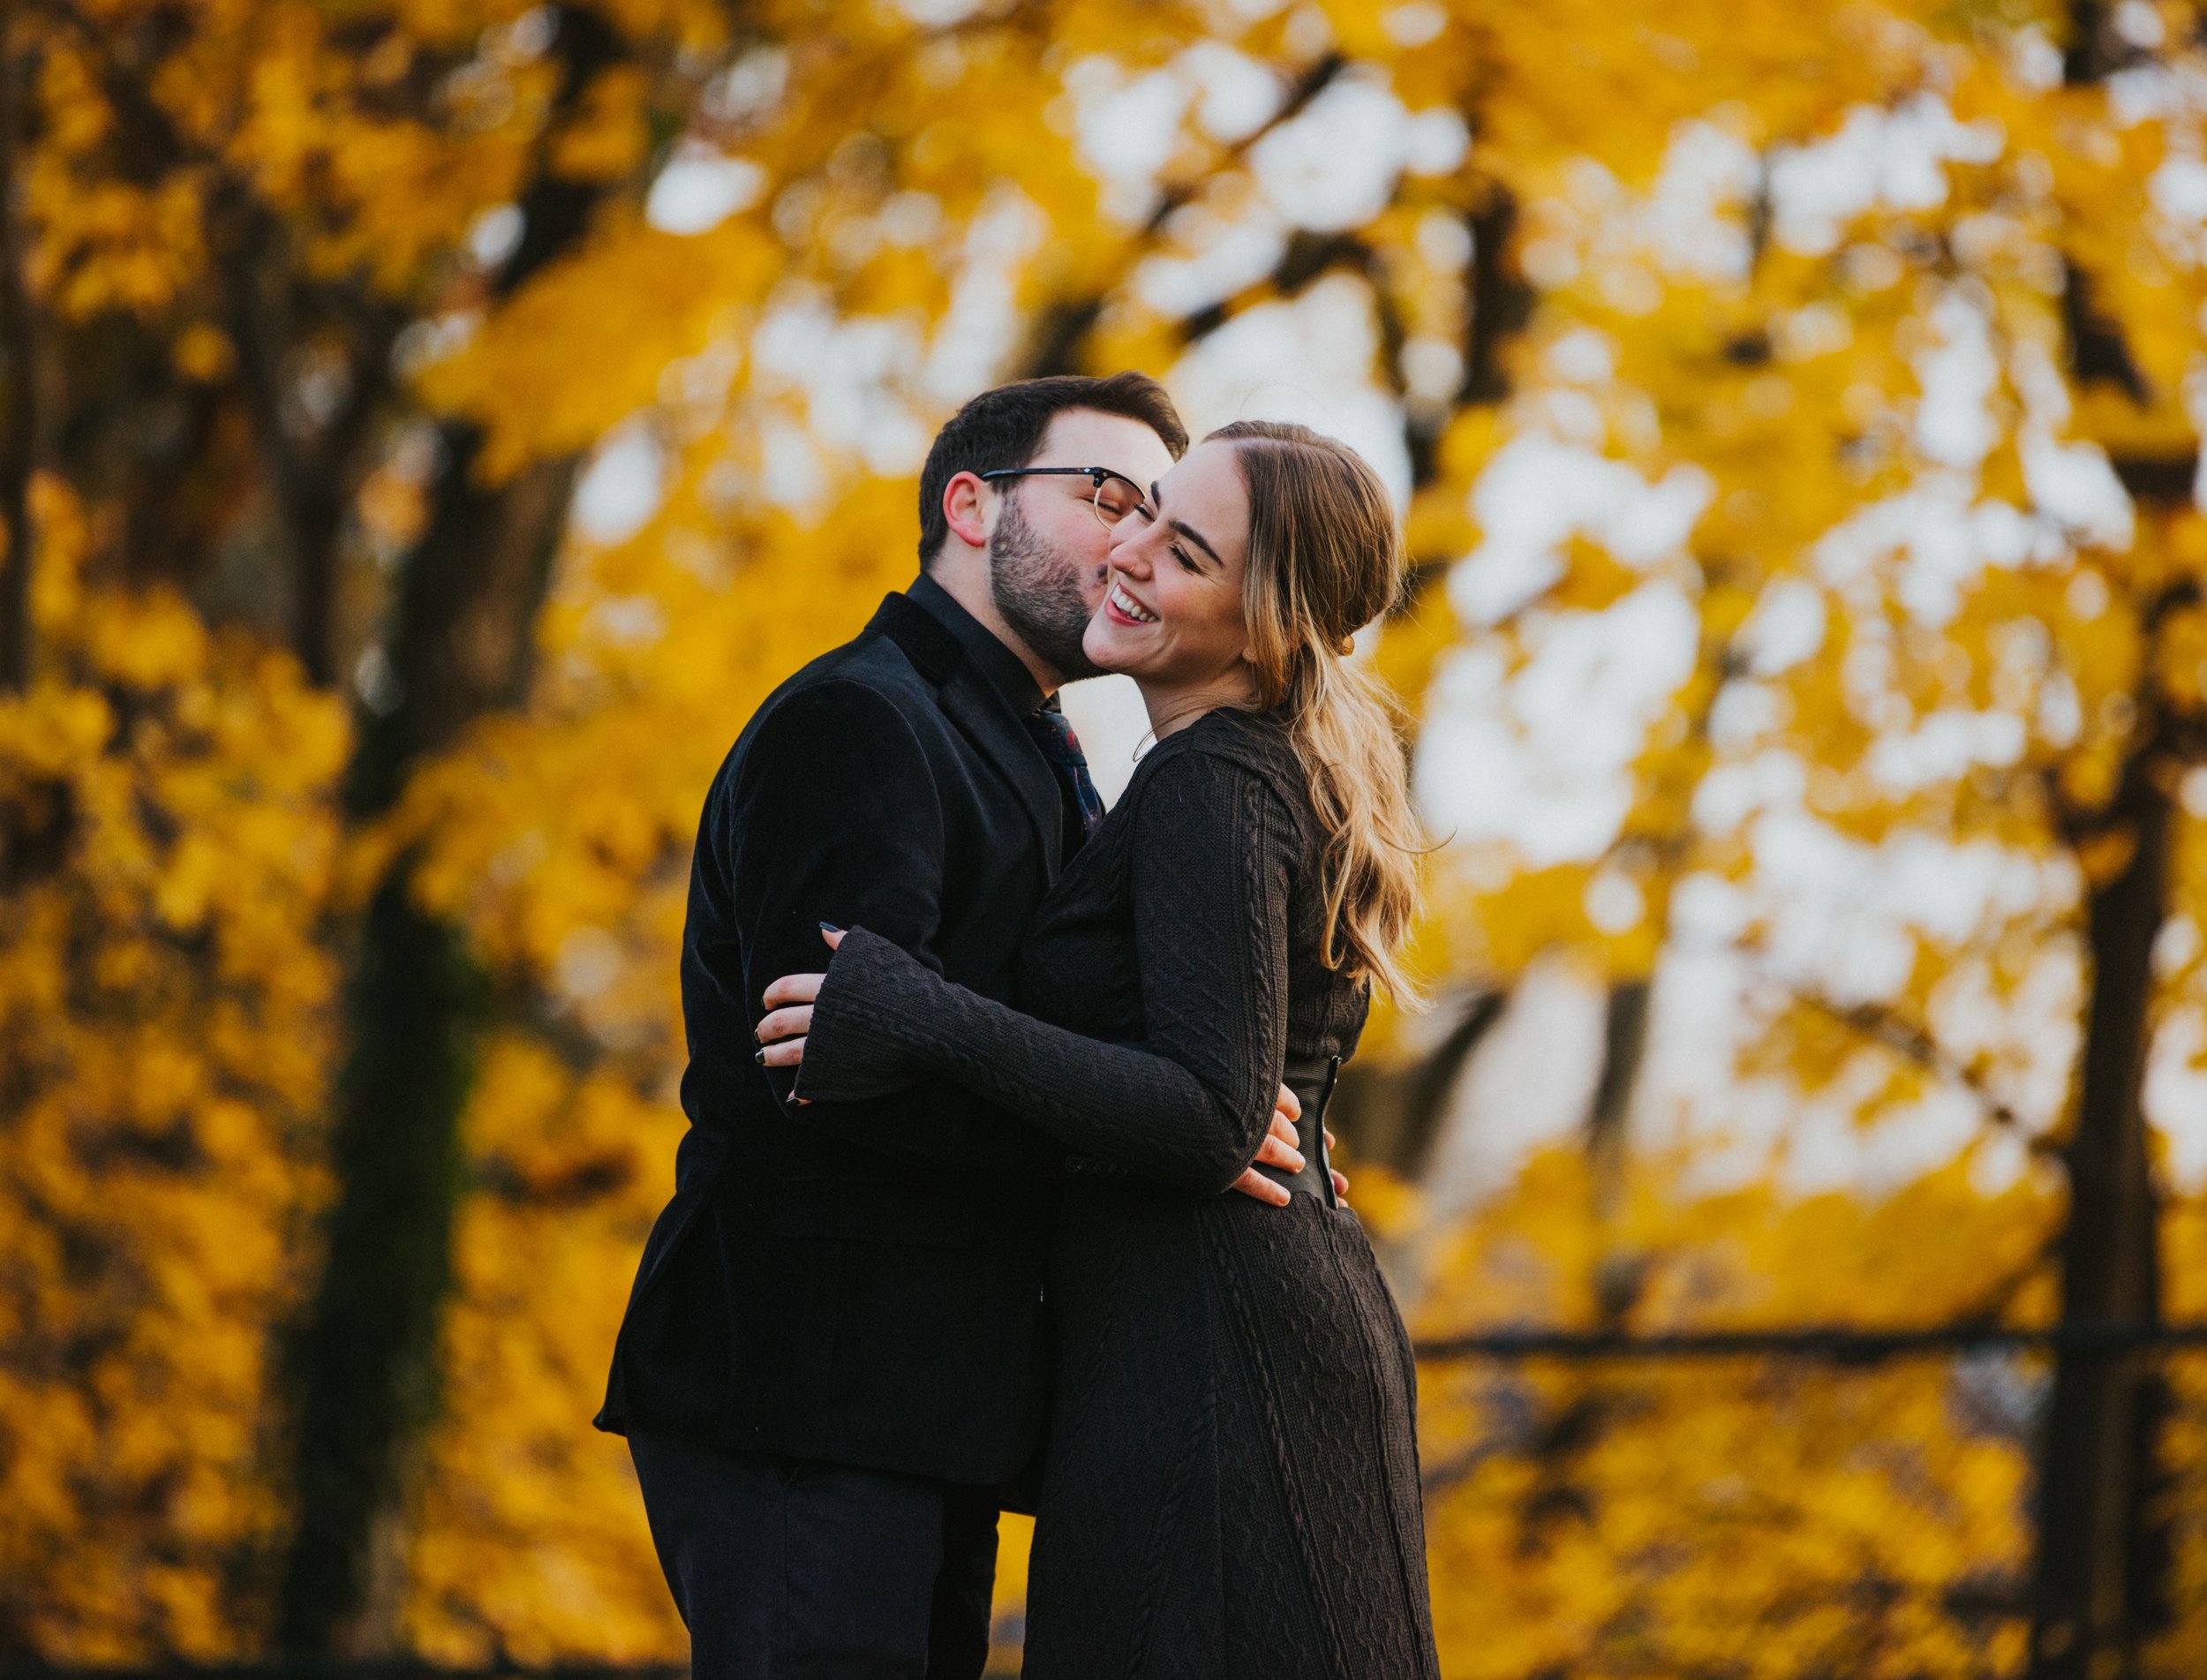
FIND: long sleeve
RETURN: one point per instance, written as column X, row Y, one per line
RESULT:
column 1190, row 1104
column 836, row 820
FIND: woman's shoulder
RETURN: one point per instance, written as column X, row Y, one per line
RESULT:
column 1227, row 748
column 1256, row 741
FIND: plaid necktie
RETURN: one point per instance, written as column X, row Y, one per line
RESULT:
column 1054, row 736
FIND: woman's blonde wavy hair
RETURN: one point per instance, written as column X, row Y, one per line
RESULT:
column 1325, row 558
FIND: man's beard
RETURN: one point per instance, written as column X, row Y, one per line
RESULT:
column 1039, row 595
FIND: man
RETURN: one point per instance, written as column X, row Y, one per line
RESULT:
column 833, row 1359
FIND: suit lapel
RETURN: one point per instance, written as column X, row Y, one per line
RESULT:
column 979, row 710
column 982, row 717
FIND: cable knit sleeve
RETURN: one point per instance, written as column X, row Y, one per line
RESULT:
column 1214, row 848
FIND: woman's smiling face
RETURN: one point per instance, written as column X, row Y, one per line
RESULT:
column 1171, row 617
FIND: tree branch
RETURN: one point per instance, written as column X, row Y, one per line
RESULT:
column 1066, row 324
column 1913, row 1043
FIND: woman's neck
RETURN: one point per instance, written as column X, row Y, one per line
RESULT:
column 1171, row 709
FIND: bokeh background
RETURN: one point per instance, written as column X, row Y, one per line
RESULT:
column 428, row 427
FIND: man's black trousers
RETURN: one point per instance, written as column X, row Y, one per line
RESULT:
column 790, row 1570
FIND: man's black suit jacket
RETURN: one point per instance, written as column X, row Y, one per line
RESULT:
column 858, row 1283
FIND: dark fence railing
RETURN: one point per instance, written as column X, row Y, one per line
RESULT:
column 1973, row 1601
column 341, row 1669
column 1835, row 1343
column 1543, row 1397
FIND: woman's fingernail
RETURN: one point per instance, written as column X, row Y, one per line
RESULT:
column 760, row 1056
column 829, row 927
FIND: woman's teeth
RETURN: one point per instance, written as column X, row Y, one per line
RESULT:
column 1126, row 604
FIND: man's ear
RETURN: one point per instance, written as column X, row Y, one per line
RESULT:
column 965, row 503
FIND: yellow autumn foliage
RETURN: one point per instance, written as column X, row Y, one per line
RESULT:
column 1811, row 294
column 166, row 978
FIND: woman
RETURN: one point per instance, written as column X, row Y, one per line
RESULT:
column 1231, row 1483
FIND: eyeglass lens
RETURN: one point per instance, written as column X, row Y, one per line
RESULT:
column 1115, row 499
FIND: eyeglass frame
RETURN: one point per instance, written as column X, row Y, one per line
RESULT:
column 1096, row 475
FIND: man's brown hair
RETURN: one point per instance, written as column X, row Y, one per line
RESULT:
column 1005, row 427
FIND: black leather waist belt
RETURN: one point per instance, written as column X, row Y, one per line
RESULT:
column 1311, row 1079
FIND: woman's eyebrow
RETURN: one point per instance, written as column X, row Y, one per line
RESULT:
column 1184, row 528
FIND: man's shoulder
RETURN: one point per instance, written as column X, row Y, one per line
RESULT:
column 870, row 682
column 868, row 663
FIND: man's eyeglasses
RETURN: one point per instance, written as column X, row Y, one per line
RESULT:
column 1117, row 495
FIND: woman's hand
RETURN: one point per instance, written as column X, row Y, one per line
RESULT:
column 1282, row 1148
column 1279, row 1150
column 788, row 1017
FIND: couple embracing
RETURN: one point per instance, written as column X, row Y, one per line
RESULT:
column 992, row 1191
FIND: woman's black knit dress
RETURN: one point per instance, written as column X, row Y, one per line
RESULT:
column 1231, row 1483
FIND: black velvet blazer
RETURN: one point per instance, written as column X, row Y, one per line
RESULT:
column 858, row 1283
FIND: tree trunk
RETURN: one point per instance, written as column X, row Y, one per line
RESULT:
column 19, row 416
column 2100, row 1564
column 312, row 477
column 1391, row 1116
column 459, row 645
column 366, row 1362
column 366, row 1369
column 2102, row 1560
column 1623, row 1048
column 1501, row 302
column 1619, row 1272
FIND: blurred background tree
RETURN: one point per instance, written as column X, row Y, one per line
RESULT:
column 429, row 430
